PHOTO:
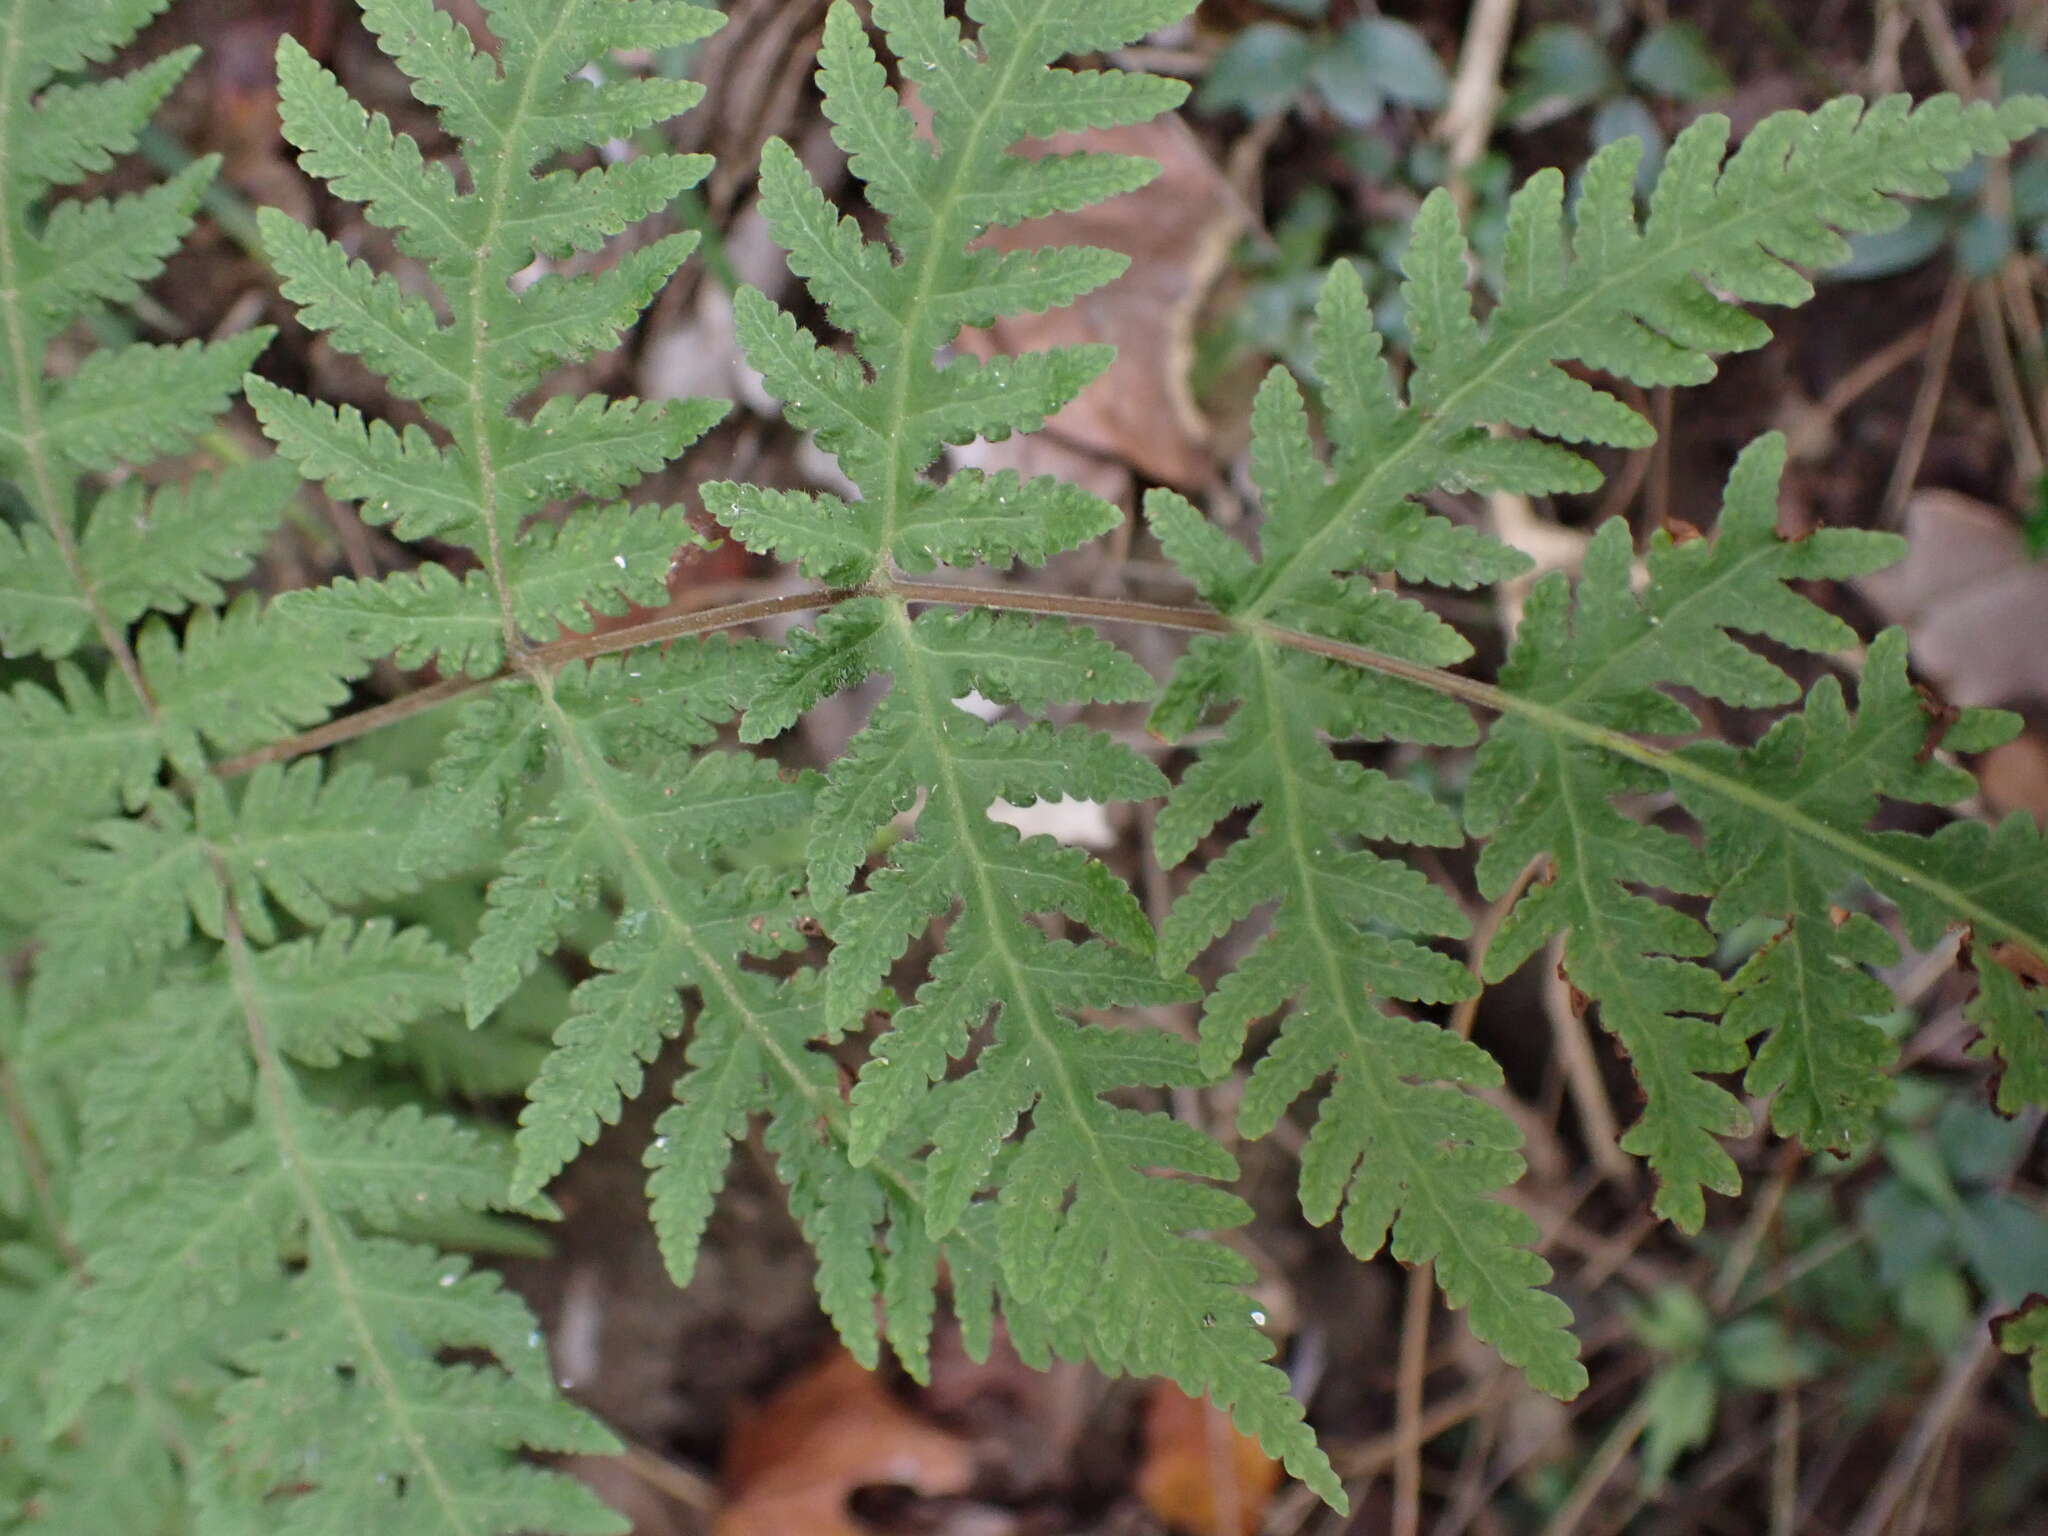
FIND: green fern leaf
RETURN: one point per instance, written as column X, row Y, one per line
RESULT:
column 102, row 251
column 621, row 1017
column 205, row 1240
column 2014, row 1033
column 396, row 477
column 1823, row 1056
column 511, row 116
column 203, row 989
column 344, row 990
column 219, row 1215
column 1398, row 1143
column 132, row 404
column 1628, row 299
column 2025, row 1332
column 166, row 551
column 1084, row 1184
column 80, row 745
column 1828, row 768
column 77, row 130
column 236, row 678
column 1605, row 291
column 902, row 306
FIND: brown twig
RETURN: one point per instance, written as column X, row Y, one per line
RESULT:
column 1467, row 1012
column 1810, row 430
column 1926, row 401
column 2006, row 387
column 1566, row 1010
column 1785, row 1462
column 1742, row 1253
column 1607, row 1460
column 1937, row 1417
column 679, row 1483
column 544, row 658
column 1413, row 1368
column 1468, row 116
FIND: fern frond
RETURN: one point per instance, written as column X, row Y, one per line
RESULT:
column 622, row 812
column 118, row 1468
column 1399, row 1143
column 1088, row 1204
column 1537, row 791
column 88, row 561
column 231, row 1229
column 1600, row 289
column 1632, row 299
column 633, row 816
column 1828, row 768
column 511, row 116
column 210, row 1175
column 338, row 1408
column 620, row 1018
column 351, row 986
column 901, row 305
column 232, row 1260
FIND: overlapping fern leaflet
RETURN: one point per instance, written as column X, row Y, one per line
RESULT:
column 214, row 1168
column 633, row 811
column 1786, row 823
column 241, row 1264
column 89, row 562
column 1092, row 1220
column 505, row 459
column 1537, row 792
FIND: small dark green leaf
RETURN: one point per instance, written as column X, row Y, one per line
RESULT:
column 1558, row 69
column 1898, row 250
column 1628, row 117
column 1983, row 243
column 1262, row 71
column 1674, row 61
column 1376, row 61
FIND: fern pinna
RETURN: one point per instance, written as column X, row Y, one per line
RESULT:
column 223, row 1268
column 246, row 1321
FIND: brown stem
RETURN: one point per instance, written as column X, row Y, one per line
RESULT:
column 544, row 658
column 1187, row 618
column 1965, row 905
